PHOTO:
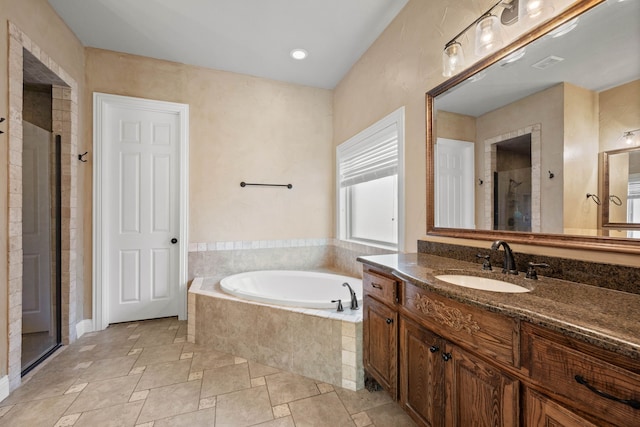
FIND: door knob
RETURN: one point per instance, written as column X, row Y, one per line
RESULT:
column 174, row 241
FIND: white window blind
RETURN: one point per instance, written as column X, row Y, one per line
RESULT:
column 371, row 158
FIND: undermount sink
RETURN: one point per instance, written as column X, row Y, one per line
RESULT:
column 482, row 283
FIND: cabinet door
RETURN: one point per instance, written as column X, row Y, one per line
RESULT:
column 421, row 374
column 380, row 340
column 476, row 393
column 541, row 411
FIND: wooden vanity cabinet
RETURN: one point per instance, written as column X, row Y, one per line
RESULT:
column 421, row 373
column 443, row 384
column 453, row 364
column 380, row 330
column 602, row 386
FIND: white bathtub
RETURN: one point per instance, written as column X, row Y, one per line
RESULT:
column 305, row 289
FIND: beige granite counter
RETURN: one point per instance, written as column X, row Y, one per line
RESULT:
column 606, row 318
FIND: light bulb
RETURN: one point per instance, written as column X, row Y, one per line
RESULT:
column 487, row 34
column 532, row 9
column 452, row 59
column 628, row 138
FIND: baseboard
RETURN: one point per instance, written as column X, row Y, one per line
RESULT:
column 4, row 387
column 83, row 327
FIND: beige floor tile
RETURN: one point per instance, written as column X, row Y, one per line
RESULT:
column 151, row 338
column 39, row 388
column 159, row 354
column 280, row 422
column 390, row 415
column 319, row 411
column 243, row 408
column 114, row 416
column 210, row 360
column 285, row 387
column 202, row 418
column 259, row 370
column 101, row 394
column 162, row 374
column 207, row 402
column 41, row 413
column 225, row 379
column 361, row 419
column 361, row 400
column 67, row 420
column 171, row 400
column 108, row 368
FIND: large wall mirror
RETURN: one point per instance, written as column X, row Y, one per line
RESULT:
column 517, row 145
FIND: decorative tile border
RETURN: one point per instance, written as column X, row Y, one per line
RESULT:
column 257, row 244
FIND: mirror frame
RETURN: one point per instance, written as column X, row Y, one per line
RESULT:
column 606, row 193
column 600, row 243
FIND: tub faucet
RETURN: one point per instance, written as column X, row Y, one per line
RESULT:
column 509, row 266
column 354, row 298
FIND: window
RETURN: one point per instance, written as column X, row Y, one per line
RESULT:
column 370, row 175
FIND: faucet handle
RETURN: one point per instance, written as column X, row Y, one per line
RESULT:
column 486, row 264
column 339, row 301
column 531, row 270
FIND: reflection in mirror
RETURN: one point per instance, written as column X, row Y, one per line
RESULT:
column 622, row 191
column 536, row 123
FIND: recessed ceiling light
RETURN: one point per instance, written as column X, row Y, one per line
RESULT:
column 299, row 54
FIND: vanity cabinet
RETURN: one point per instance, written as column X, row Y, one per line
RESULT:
column 454, row 364
column 444, row 384
column 380, row 330
column 599, row 384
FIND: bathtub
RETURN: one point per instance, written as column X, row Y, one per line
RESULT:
column 318, row 343
column 305, row 289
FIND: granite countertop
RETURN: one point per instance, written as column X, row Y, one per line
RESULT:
column 606, row 318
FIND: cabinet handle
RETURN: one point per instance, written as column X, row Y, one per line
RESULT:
column 389, row 321
column 434, row 348
column 635, row 404
column 446, row 356
column 375, row 285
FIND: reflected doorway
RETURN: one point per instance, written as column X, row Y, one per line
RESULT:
column 512, row 185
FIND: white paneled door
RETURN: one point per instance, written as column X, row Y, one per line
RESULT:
column 454, row 193
column 141, row 210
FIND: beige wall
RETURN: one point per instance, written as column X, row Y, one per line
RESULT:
column 619, row 112
column 580, row 160
column 242, row 128
column 546, row 109
column 455, row 126
column 403, row 64
column 41, row 24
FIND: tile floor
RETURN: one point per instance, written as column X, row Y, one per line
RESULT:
column 145, row 374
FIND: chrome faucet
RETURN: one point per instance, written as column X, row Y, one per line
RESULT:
column 354, row 298
column 509, row 266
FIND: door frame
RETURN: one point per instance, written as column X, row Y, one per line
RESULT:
column 101, row 101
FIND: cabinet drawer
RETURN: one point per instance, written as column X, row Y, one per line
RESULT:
column 484, row 332
column 380, row 287
column 556, row 367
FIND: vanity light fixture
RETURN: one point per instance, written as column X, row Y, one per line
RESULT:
column 487, row 31
column 629, row 137
column 299, row 54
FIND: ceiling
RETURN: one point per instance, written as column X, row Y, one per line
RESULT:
column 600, row 53
column 251, row 37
